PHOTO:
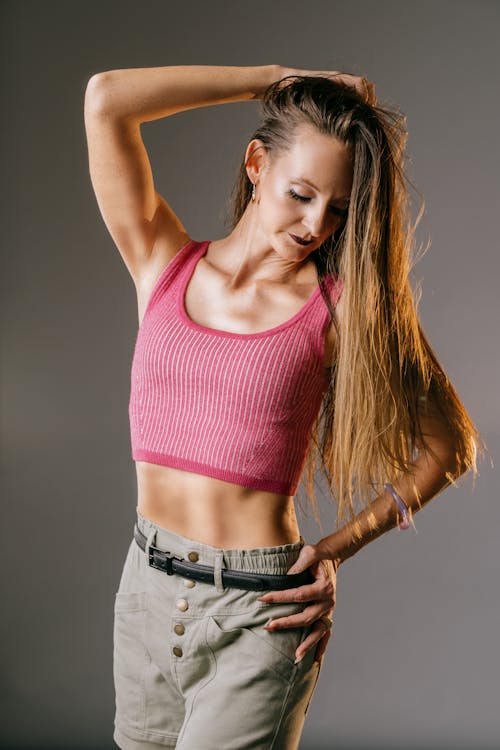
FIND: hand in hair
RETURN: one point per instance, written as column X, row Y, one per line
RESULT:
column 362, row 85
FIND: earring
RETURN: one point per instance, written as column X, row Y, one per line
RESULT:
column 253, row 192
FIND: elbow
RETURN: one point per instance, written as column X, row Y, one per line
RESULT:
column 444, row 459
column 97, row 92
column 442, row 449
column 462, row 467
column 455, row 464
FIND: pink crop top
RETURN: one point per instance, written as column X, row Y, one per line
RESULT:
column 234, row 406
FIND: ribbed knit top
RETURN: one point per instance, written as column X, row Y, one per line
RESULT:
column 234, row 406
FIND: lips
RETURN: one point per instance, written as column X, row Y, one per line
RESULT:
column 299, row 240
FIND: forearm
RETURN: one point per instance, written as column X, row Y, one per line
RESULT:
column 145, row 94
column 430, row 480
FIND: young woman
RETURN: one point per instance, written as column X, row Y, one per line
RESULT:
column 293, row 340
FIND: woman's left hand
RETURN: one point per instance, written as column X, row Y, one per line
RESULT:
column 321, row 593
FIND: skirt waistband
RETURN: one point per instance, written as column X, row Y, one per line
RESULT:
column 272, row 560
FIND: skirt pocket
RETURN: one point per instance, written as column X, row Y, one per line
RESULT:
column 271, row 649
column 130, row 658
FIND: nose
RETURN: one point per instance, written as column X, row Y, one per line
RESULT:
column 317, row 220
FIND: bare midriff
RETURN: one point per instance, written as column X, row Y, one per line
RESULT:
column 213, row 511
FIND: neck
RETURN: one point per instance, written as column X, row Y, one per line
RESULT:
column 252, row 259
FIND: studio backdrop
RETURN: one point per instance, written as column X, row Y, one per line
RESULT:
column 413, row 661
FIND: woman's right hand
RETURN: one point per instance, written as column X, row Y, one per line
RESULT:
column 362, row 85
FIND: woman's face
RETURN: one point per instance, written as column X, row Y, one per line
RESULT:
column 304, row 191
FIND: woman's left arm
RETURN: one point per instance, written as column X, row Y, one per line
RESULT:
column 324, row 557
column 430, row 479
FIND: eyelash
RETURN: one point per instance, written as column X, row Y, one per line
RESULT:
column 298, row 197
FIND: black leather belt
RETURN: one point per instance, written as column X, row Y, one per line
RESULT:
column 171, row 565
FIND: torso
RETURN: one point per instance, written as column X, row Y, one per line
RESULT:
column 203, row 508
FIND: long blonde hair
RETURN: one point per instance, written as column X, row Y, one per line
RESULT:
column 384, row 373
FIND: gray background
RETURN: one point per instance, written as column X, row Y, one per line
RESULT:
column 414, row 658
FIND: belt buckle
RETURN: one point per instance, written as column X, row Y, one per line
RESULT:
column 161, row 560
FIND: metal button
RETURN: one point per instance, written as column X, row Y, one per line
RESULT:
column 193, row 556
column 189, row 583
column 177, row 650
column 179, row 628
column 182, row 604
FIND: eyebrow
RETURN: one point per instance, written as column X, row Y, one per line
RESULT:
column 342, row 199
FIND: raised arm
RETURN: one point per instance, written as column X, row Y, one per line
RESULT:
column 143, row 226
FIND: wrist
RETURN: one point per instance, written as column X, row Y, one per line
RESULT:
column 327, row 549
column 365, row 527
column 267, row 74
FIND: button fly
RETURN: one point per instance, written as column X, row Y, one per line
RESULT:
column 182, row 604
column 188, row 583
column 177, row 650
column 179, row 628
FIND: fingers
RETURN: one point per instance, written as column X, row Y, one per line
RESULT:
column 319, row 634
column 366, row 89
column 308, row 615
column 322, row 589
column 306, row 593
column 370, row 92
column 362, row 85
column 321, row 647
column 318, row 637
column 316, row 595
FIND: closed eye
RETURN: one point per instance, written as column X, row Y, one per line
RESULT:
column 305, row 199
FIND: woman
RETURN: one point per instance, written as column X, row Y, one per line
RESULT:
column 302, row 315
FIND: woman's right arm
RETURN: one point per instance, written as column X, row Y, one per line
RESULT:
column 116, row 103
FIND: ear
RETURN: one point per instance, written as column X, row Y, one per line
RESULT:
column 256, row 159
